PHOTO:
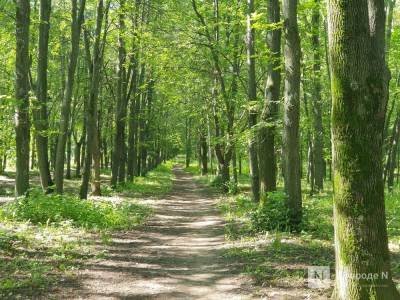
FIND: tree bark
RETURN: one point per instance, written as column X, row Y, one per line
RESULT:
column 203, row 152
column 359, row 79
column 318, row 133
column 133, row 124
column 271, row 103
column 22, row 126
column 291, row 147
column 77, row 20
column 119, row 149
column 40, row 116
column 188, row 142
column 391, row 163
column 91, row 112
column 69, row 155
column 252, row 98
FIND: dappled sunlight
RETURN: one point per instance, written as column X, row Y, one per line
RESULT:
column 178, row 252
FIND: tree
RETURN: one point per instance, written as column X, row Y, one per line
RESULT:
column 318, row 133
column 76, row 25
column 22, row 127
column 40, row 114
column 252, row 97
column 119, row 150
column 92, row 141
column 291, row 149
column 359, row 78
column 269, row 114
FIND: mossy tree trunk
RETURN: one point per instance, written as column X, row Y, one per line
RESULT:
column 291, row 147
column 22, row 128
column 359, row 88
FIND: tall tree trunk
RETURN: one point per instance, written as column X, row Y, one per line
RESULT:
column 146, row 112
column 234, row 166
column 77, row 157
column 119, row 150
column 133, row 125
column 91, row 112
column 142, row 137
column 252, row 97
column 203, row 152
column 188, row 142
column 140, row 108
column 40, row 112
column 22, row 127
column 393, row 156
column 96, row 190
column 310, row 151
column 271, row 104
column 210, row 149
column 33, row 157
column 318, row 134
column 69, row 155
column 134, row 102
column 291, row 147
column 359, row 98
column 77, row 20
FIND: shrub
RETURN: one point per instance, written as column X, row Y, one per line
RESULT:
column 45, row 209
column 271, row 215
column 229, row 188
column 217, row 182
column 232, row 188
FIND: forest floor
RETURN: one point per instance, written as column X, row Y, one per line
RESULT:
column 176, row 255
column 195, row 245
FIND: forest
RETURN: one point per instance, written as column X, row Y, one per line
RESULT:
column 200, row 149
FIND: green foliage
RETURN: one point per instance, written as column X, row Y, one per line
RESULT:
column 33, row 279
column 393, row 213
column 56, row 209
column 33, row 258
column 156, row 183
column 281, row 259
column 217, row 182
column 271, row 215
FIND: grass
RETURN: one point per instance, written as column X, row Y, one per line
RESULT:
column 44, row 239
column 276, row 258
column 34, row 258
column 90, row 214
column 156, row 183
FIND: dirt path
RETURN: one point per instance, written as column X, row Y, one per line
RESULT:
column 177, row 255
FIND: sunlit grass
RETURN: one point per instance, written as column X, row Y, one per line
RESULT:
column 156, row 183
column 276, row 258
column 44, row 239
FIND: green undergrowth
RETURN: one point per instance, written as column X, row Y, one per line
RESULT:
column 262, row 245
column 45, row 239
column 156, row 183
column 280, row 260
column 90, row 214
column 35, row 258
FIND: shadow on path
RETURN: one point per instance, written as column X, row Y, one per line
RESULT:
column 176, row 255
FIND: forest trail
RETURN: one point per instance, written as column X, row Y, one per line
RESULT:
column 176, row 255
